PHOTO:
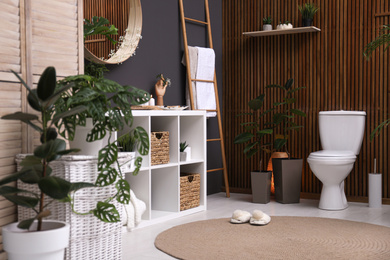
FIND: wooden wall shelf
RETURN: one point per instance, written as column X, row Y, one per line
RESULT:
column 282, row 32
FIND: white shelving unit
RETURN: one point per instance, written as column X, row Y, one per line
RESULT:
column 159, row 185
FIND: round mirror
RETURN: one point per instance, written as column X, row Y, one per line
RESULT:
column 126, row 15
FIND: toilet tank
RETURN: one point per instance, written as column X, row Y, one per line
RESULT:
column 342, row 130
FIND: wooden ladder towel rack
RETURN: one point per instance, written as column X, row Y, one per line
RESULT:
column 190, row 80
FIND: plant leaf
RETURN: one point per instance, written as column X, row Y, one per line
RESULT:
column 279, row 143
column 107, row 156
column 123, row 188
column 137, row 164
column 24, row 201
column 26, row 224
column 106, row 177
column 55, row 187
column 80, row 185
column 47, row 83
column 143, row 137
column 298, row 112
column 106, row 212
column 257, row 103
column 288, row 84
column 243, row 138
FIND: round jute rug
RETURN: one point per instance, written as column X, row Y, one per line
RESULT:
column 283, row 238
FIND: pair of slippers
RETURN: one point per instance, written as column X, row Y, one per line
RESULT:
column 258, row 217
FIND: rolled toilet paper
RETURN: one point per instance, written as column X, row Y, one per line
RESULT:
column 375, row 190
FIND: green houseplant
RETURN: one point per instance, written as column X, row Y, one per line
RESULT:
column 254, row 137
column 383, row 39
column 108, row 108
column 36, row 170
column 308, row 10
column 183, row 153
column 287, row 171
column 267, row 23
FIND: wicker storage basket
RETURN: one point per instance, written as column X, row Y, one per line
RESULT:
column 189, row 190
column 90, row 238
column 159, row 147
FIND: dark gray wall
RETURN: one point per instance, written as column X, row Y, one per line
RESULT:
column 160, row 51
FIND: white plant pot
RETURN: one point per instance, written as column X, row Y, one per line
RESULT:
column 267, row 27
column 79, row 141
column 130, row 165
column 183, row 156
column 49, row 244
column 188, row 151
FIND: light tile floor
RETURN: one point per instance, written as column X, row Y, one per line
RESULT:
column 139, row 244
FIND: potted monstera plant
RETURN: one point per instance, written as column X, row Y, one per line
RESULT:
column 36, row 170
column 253, row 136
column 287, row 171
column 38, row 234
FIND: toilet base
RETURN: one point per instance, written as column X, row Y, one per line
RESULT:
column 333, row 197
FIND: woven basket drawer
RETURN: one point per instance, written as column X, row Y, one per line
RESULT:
column 159, row 147
column 189, row 190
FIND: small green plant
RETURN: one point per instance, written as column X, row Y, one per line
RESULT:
column 283, row 118
column 308, row 10
column 267, row 20
column 98, row 26
column 287, row 22
column 183, row 146
column 128, row 142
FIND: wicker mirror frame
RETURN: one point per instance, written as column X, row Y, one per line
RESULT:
column 130, row 41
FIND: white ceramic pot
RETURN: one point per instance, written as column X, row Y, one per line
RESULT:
column 183, row 156
column 79, row 141
column 267, row 27
column 48, row 244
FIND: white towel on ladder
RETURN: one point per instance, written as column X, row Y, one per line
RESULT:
column 205, row 94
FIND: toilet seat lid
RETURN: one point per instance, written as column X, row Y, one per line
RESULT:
column 330, row 153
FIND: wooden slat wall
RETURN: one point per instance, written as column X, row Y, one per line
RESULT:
column 117, row 13
column 35, row 34
column 331, row 66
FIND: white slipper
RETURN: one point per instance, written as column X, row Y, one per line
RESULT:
column 240, row 216
column 259, row 218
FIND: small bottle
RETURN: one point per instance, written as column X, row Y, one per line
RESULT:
column 152, row 101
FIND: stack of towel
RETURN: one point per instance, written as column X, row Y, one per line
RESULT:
column 202, row 66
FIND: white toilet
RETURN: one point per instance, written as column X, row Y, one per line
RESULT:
column 341, row 134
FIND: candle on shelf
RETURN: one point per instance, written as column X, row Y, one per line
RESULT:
column 151, row 101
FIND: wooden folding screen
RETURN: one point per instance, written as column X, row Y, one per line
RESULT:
column 35, row 34
column 329, row 63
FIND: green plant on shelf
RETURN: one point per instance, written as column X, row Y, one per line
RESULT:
column 183, row 146
column 308, row 10
column 267, row 20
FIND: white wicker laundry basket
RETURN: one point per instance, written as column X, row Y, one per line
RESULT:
column 90, row 238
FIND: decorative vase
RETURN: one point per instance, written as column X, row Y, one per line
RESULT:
column 188, row 151
column 79, row 141
column 183, row 156
column 48, row 244
column 307, row 22
column 269, row 166
column 261, row 187
column 267, row 27
column 288, row 179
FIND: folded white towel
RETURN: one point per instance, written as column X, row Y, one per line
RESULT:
column 134, row 211
column 193, row 56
